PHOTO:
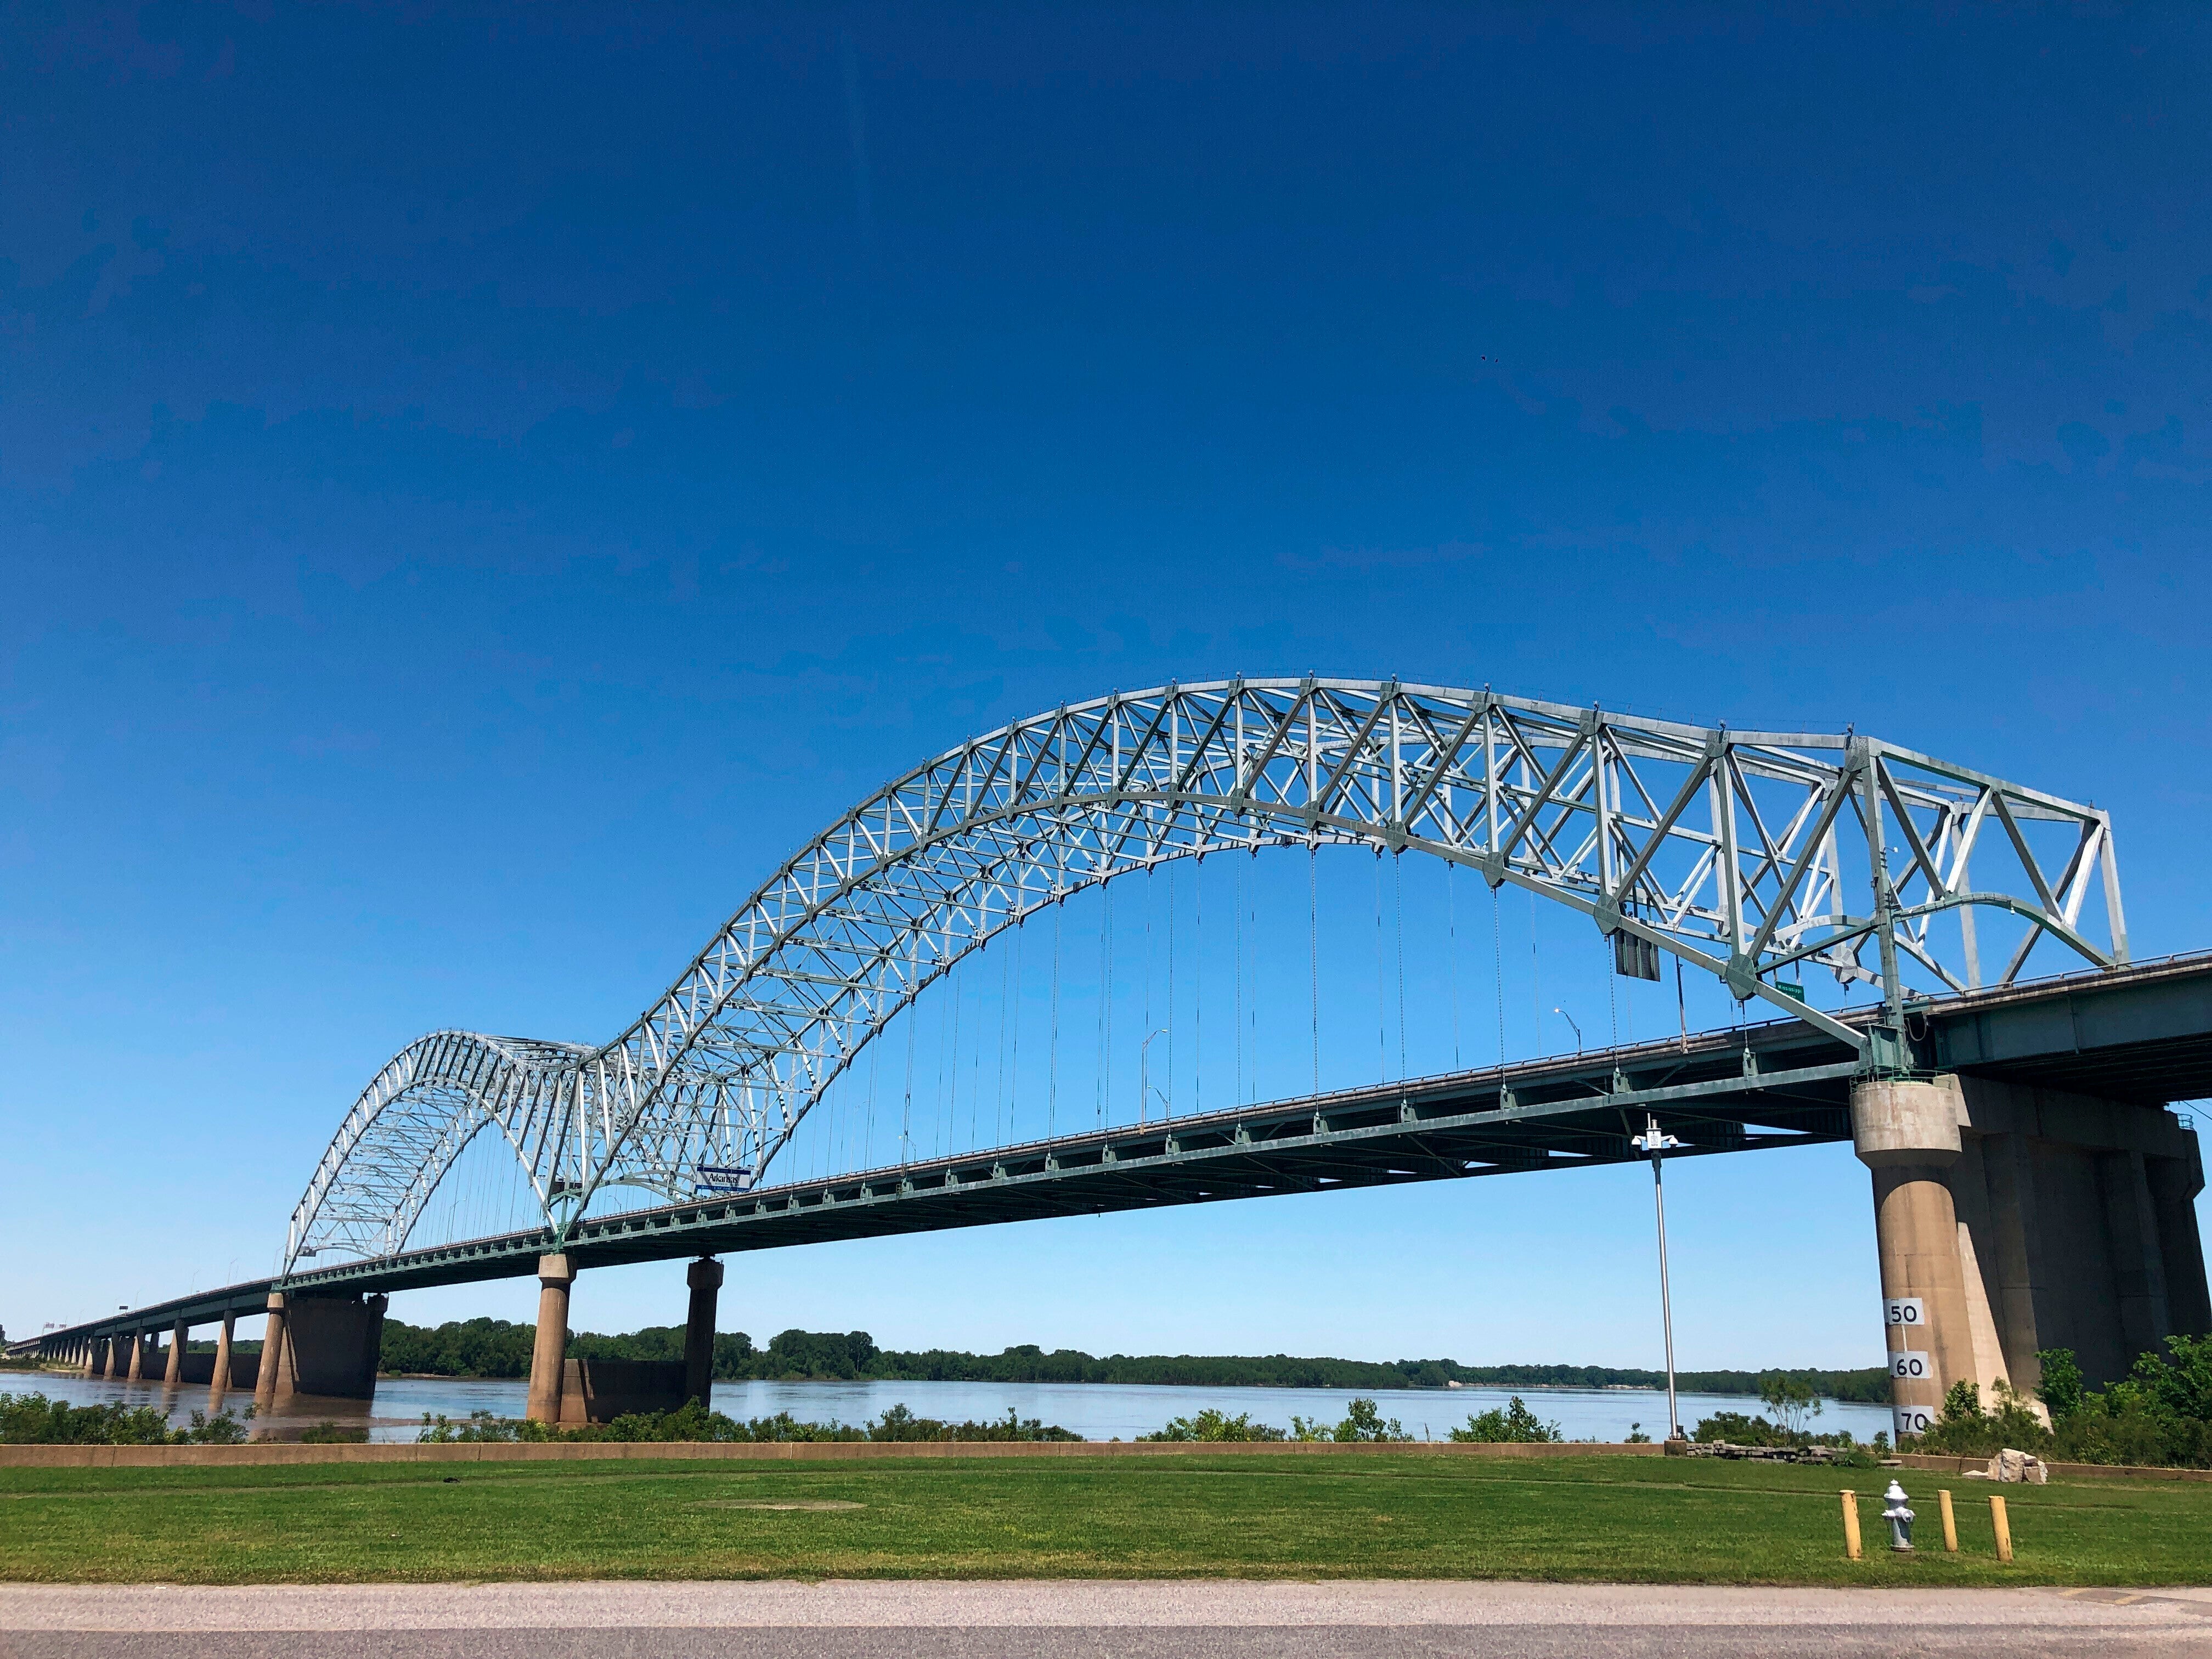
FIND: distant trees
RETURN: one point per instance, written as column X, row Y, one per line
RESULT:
column 493, row 1347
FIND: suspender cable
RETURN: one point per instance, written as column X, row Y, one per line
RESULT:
column 1497, row 978
column 940, row 1128
column 976, row 1070
column 1535, row 976
column 906, row 1111
column 1237, row 1031
column 1171, row 996
column 1313, row 948
column 1198, row 993
column 868, row 1130
column 1398, row 929
column 1381, row 994
column 1143, row 1105
column 1014, row 1071
column 1105, row 1091
column 1451, row 949
column 1052, row 1055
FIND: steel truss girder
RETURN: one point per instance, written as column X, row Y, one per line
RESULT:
column 1728, row 849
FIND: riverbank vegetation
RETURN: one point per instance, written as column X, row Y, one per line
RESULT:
column 693, row 1422
column 498, row 1348
column 2158, row 1414
column 32, row 1419
column 1368, row 1511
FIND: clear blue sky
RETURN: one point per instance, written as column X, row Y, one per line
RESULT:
column 479, row 489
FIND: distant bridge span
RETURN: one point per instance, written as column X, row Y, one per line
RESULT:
column 1747, row 854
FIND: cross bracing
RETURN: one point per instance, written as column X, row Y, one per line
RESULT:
column 1752, row 855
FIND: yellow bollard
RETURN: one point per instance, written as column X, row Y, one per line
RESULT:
column 1950, row 1526
column 2004, row 1525
column 1850, row 1524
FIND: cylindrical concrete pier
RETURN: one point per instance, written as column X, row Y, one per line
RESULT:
column 272, row 1354
column 550, row 1352
column 219, row 1384
column 179, row 1339
column 137, row 1373
column 1907, row 1133
column 705, row 1279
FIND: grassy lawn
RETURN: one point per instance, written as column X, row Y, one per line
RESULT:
column 1383, row 1515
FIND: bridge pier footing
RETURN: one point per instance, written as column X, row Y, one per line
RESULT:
column 137, row 1373
column 179, row 1339
column 548, row 1351
column 2010, row 1219
column 705, row 1279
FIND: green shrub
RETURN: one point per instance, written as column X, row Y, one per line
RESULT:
column 32, row 1419
column 2159, row 1415
column 1212, row 1425
column 1512, row 1422
column 442, row 1430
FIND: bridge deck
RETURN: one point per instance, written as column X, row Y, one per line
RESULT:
column 2142, row 1033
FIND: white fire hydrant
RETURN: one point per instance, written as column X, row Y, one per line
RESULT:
column 1898, row 1516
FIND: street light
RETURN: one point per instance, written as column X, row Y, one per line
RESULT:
column 1569, row 1019
column 1144, row 1075
column 1654, row 1141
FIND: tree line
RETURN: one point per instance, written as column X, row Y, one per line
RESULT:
column 496, row 1347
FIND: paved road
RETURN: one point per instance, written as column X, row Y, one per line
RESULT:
column 1141, row 1620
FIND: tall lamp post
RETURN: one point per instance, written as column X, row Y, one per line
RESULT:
column 1657, row 1143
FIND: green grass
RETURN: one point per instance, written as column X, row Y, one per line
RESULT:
column 1380, row 1515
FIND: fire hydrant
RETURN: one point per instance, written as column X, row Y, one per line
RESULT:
column 1899, row 1518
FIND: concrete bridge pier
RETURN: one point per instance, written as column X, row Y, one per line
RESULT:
column 272, row 1355
column 705, row 1279
column 332, row 1345
column 2010, row 1219
column 219, row 1383
column 548, row 1352
column 137, row 1356
column 180, row 1339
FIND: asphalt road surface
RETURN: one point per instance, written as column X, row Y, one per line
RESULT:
column 1141, row 1620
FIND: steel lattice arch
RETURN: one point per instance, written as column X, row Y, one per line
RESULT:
column 1749, row 854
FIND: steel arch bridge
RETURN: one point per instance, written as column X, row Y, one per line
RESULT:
column 1748, row 854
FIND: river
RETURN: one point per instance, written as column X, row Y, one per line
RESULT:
column 1096, row 1411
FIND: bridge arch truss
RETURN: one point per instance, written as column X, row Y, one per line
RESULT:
column 1752, row 855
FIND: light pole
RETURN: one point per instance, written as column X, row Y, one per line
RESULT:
column 1144, row 1074
column 1656, row 1143
column 1569, row 1019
